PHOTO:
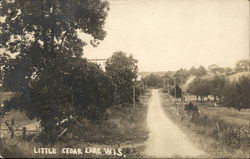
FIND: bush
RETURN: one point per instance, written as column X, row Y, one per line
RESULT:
column 191, row 109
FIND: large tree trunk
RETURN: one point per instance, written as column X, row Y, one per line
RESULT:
column 202, row 98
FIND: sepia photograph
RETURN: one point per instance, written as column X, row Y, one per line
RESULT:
column 125, row 79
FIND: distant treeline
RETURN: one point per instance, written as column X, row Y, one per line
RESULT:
column 203, row 82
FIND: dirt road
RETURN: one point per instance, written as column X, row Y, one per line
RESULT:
column 165, row 138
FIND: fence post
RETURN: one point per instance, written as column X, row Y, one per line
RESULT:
column 218, row 128
column 24, row 133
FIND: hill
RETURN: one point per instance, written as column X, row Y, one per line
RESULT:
column 232, row 77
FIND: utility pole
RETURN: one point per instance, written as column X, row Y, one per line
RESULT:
column 134, row 96
column 174, row 87
column 168, row 86
column 164, row 82
column 181, row 91
column 175, row 93
column 140, row 87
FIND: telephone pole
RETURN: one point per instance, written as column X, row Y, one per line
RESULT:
column 181, row 91
column 134, row 96
column 174, row 87
column 164, row 82
column 133, row 91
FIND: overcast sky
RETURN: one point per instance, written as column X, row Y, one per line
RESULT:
column 171, row 34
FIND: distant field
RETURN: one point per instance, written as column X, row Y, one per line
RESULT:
column 219, row 112
column 228, row 115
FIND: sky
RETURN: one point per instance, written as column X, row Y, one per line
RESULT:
column 172, row 34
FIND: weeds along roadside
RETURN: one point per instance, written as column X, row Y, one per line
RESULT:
column 215, row 136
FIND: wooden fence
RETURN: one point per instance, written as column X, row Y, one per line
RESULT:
column 11, row 131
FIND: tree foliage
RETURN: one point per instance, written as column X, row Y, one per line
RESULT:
column 218, row 83
column 200, row 87
column 215, row 69
column 3, row 61
column 153, row 80
column 200, row 71
column 37, row 31
column 237, row 94
column 50, row 79
column 176, row 91
column 181, row 76
column 242, row 65
column 70, row 89
column 123, row 71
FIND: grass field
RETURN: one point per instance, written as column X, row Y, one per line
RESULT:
column 125, row 127
column 220, row 131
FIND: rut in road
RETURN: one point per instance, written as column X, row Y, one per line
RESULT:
column 165, row 138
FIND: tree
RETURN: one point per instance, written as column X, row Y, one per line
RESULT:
column 169, row 78
column 201, row 71
column 181, row 76
column 242, row 65
column 44, row 35
column 176, row 91
column 200, row 87
column 215, row 68
column 71, row 89
column 228, row 70
column 43, row 29
column 237, row 94
column 154, row 80
column 192, row 70
column 218, row 83
column 123, row 71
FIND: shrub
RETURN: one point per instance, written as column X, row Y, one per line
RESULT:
column 191, row 109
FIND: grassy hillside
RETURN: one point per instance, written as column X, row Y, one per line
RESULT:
column 232, row 77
